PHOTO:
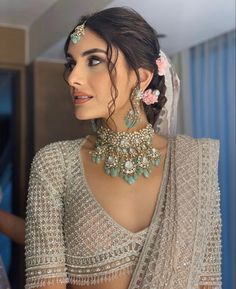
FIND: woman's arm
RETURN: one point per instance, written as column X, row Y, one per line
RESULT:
column 57, row 286
column 12, row 226
column 44, row 238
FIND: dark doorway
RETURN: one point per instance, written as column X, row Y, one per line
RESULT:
column 10, row 252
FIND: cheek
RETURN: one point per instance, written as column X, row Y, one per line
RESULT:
column 100, row 82
column 124, row 86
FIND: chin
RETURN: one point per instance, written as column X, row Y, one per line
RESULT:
column 88, row 114
column 80, row 117
column 84, row 116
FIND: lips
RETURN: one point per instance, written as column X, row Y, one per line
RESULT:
column 82, row 96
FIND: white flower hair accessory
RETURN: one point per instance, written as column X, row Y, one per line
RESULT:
column 151, row 96
column 162, row 65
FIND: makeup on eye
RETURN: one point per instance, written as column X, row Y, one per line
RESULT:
column 92, row 60
column 87, row 53
column 69, row 64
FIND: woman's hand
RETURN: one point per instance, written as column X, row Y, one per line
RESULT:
column 12, row 226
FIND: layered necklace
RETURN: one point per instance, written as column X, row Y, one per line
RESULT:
column 126, row 154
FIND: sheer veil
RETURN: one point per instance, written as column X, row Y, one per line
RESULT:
column 166, row 123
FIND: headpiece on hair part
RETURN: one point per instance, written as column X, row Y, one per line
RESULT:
column 79, row 31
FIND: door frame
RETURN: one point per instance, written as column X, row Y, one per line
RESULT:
column 20, row 158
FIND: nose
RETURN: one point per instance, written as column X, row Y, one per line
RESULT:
column 75, row 78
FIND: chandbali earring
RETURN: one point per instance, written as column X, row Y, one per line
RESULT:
column 149, row 96
column 133, row 115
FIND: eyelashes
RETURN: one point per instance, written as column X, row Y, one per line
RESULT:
column 69, row 65
column 94, row 60
column 91, row 62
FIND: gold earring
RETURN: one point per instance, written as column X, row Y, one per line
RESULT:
column 133, row 115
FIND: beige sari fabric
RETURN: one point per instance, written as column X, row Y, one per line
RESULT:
column 182, row 249
column 183, row 245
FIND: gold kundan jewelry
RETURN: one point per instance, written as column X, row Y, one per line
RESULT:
column 133, row 115
column 126, row 154
column 76, row 35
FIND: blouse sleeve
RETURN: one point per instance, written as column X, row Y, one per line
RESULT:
column 210, row 276
column 44, row 241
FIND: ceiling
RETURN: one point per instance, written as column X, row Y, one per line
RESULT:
column 185, row 22
column 22, row 13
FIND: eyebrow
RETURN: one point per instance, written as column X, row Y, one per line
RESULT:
column 87, row 52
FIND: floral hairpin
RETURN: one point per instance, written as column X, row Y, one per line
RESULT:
column 162, row 65
column 76, row 35
column 151, row 96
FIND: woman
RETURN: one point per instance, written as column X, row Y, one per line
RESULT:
column 126, row 207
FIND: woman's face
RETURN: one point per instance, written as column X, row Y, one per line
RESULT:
column 89, row 78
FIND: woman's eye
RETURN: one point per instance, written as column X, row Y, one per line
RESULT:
column 69, row 65
column 93, row 61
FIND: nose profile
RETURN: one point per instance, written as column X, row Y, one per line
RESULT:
column 74, row 78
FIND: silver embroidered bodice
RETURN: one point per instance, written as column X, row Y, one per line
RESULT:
column 71, row 239
column 95, row 247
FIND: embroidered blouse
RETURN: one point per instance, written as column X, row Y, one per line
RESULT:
column 71, row 239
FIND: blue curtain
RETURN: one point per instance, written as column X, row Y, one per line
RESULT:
column 212, row 86
column 6, row 186
column 5, row 160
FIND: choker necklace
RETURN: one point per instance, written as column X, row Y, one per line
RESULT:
column 126, row 154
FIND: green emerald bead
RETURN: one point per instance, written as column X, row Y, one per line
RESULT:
column 114, row 172
column 126, row 177
column 94, row 159
column 75, row 39
column 139, row 171
column 131, row 180
column 108, row 171
column 146, row 173
column 129, row 123
column 157, row 162
column 97, row 160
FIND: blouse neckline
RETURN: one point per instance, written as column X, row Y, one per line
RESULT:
column 114, row 222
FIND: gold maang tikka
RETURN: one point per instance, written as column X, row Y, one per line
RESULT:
column 79, row 31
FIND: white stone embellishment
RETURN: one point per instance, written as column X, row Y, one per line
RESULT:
column 126, row 154
column 129, row 165
column 110, row 160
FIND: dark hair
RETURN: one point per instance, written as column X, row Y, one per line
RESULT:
column 124, row 29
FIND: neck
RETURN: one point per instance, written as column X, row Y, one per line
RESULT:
column 117, row 123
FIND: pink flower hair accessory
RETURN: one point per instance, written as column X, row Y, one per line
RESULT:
column 150, row 96
column 162, row 65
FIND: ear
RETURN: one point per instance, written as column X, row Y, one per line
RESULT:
column 145, row 77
